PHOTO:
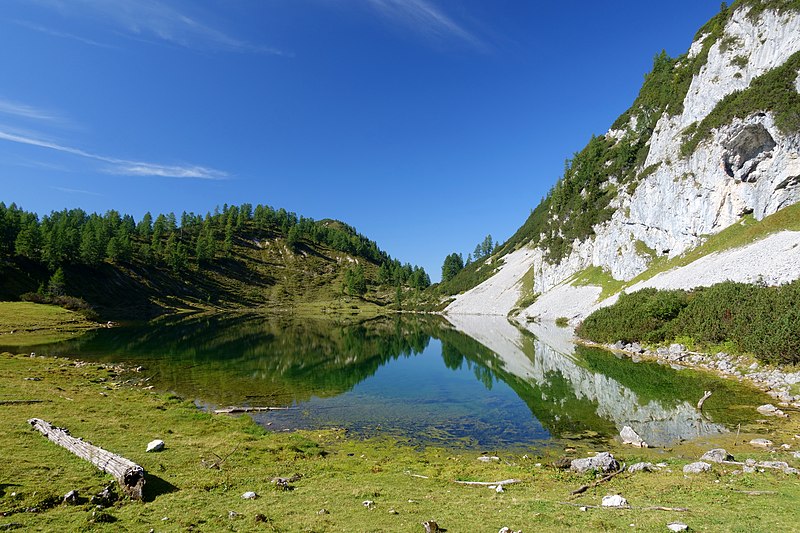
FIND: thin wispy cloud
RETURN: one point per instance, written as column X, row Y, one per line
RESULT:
column 122, row 166
column 17, row 109
column 61, row 34
column 424, row 17
column 75, row 191
column 155, row 19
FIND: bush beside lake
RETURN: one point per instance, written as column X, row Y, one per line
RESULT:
column 757, row 319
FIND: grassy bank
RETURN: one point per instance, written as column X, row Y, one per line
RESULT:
column 339, row 473
column 26, row 323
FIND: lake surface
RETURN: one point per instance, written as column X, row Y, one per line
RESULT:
column 477, row 382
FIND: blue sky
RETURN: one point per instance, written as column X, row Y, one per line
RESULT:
column 426, row 124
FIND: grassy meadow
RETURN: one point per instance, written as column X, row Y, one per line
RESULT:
column 115, row 408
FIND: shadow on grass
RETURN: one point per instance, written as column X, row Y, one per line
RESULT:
column 155, row 487
column 4, row 486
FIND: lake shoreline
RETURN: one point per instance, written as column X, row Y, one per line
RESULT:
column 777, row 382
column 404, row 484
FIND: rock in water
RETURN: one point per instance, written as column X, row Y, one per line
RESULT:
column 696, row 468
column 155, row 446
column 602, row 462
column 614, row 501
column 717, row 455
column 629, row 436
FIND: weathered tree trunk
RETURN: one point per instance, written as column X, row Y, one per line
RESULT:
column 128, row 474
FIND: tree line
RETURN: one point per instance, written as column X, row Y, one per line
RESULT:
column 75, row 237
column 455, row 263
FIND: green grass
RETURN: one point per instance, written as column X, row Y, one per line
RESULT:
column 25, row 323
column 598, row 277
column 339, row 473
column 527, row 295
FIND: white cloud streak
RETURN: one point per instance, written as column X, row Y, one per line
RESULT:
column 61, row 34
column 152, row 18
column 424, row 17
column 9, row 107
column 123, row 166
column 75, row 191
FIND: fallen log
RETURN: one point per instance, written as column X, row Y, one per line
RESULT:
column 128, row 474
column 488, row 483
column 230, row 410
column 584, row 488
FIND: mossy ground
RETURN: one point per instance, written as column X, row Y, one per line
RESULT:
column 25, row 323
column 115, row 410
column 339, row 473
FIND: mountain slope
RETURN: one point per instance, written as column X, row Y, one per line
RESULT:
column 237, row 258
column 712, row 137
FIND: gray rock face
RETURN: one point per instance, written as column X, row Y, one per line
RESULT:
column 717, row 455
column 629, row 436
column 602, row 462
column 746, row 166
column 696, row 468
column 745, row 150
column 761, row 443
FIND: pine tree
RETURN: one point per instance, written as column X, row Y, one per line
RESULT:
column 57, row 284
column 453, row 264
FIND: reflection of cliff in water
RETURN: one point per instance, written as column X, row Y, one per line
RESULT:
column 254, row 359
column 571, row 391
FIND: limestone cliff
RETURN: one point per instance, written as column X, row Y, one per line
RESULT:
column 731, row 149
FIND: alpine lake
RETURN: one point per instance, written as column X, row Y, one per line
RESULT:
column 470, row 382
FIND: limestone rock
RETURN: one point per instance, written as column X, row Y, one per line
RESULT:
column 72, row 498
column 488, row 458
column 696, row 468
column 761, row 443
column 602, row 462
column 614, row 501
column 249, row 495
column 629, row 436
column 770, row 410
column 677, row 526
column 779, row 465
column 642, row 467
column 155, row 445
column 717, row 455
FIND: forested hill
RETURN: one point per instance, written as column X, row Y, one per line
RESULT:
column 237, row 257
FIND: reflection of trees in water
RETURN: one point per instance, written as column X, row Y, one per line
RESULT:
column 277, row 360
column 227, row 359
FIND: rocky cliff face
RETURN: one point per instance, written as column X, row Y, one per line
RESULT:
column 749, row 165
